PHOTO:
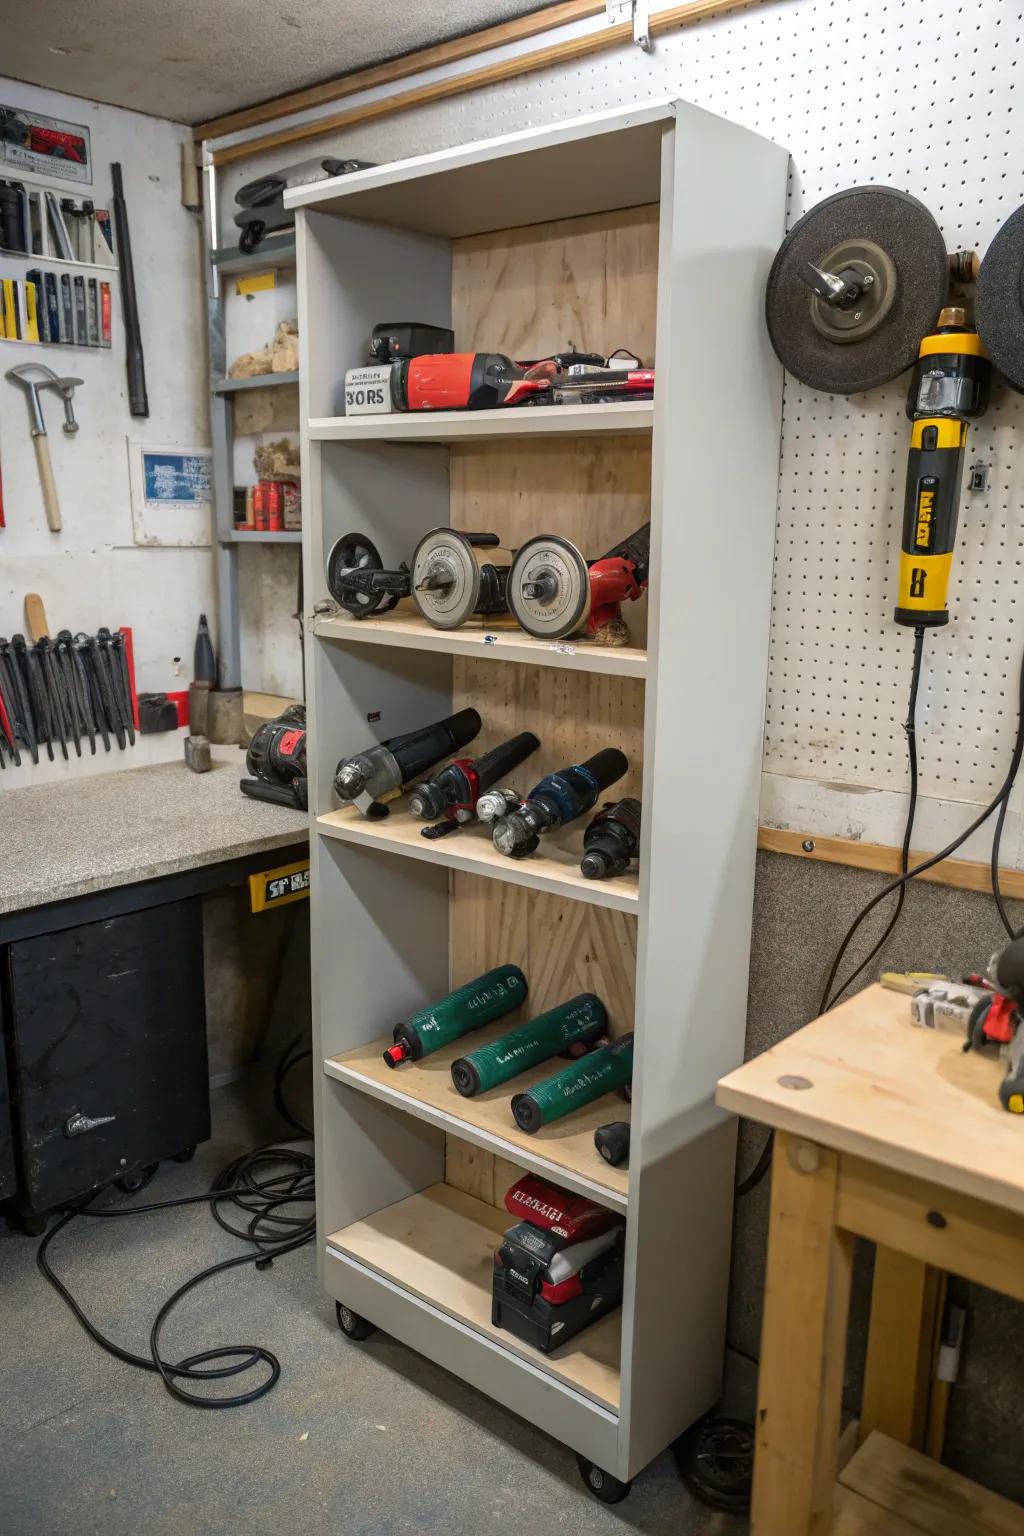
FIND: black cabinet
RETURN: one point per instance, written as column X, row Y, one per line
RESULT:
column 105, row 1028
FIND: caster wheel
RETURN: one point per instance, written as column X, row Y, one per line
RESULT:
column 131, row 1183
column 602, row 1484
column 184, row 1156
column 351, row 1324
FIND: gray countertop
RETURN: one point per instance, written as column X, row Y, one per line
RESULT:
column 65, row 840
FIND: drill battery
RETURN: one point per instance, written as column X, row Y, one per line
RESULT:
column 559, row 1269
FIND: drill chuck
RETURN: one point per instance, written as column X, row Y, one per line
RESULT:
column 611, row 840
column 557, row 800
column 496, row 803
column 455, row 791
column 569, row 1090
column 489, row 997
column 580, row 1022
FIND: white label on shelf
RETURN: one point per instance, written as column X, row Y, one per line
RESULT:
column 368, row 390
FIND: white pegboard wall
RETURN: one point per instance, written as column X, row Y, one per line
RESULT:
column 920, row 95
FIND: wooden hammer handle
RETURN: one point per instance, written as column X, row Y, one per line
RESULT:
column 47, row 482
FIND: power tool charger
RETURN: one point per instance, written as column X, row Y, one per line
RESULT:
column 557, row 1270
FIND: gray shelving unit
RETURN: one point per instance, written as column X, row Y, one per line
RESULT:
column 275, row 254
column 662, row 219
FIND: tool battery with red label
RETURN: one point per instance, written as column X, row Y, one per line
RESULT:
column 277, row 760
column 558, row 1269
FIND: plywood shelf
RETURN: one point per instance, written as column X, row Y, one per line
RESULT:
column 556, row 869
column 563, row 1152
column 630, row 418
column 475, row 640
column 439, row 1245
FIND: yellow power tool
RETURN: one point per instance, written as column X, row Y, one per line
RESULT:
column 949, row 389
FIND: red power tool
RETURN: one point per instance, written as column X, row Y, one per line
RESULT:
column 456, row 381
column 553, row 591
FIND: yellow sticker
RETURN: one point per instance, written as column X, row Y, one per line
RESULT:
column 277, row 887
column 1016, row 1104
column 259, row 282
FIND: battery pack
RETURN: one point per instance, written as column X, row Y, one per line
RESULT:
column 559, row 1268
column 547, row 1313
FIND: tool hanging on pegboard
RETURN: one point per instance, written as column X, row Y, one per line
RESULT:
column 59, row 693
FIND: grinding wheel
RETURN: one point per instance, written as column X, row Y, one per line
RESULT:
column 892, row 257
column 549, row 588
column 354, row 551
column 999, row 301
column 445, row 578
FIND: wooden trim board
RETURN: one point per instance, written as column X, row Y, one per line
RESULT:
column 927, row 1496
column 556, row 870
column 439, row 1244
column 476, row 79
column 964, row 874
column 450, row 52
column 564, row 1151
column 475, row 640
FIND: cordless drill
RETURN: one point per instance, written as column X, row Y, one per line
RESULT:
column 370, row 777
column 611, row 840
column 277, row 760
column 557, row 800
column 452, row 381
column 450, row 798
column 949, row 388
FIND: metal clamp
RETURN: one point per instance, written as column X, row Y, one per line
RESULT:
column 636, row 11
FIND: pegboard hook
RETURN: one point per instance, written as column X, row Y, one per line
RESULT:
column 637, row 11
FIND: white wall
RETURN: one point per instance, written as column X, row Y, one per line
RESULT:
column 92, row 573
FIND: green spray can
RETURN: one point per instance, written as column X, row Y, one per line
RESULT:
column 584, row 1081
column 580, row 1021
column 489, row 997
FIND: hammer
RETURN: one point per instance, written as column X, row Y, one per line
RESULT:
column 66, row 389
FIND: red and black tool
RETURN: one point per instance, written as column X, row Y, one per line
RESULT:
column 458, row 381
column 277, row 760
column 554, row 591
column 450, row 798
column 611, row 840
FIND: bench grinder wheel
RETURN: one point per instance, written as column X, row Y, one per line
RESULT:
column 999, row 301
column 355, row 552
column 855, row 285
column 445, row 578
column 549, row 588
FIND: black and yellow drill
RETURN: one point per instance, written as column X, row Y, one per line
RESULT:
column 949, row 389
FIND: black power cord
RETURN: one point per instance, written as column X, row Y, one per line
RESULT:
column 265, row 1184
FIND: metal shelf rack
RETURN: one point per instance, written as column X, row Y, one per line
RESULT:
column 664, row 218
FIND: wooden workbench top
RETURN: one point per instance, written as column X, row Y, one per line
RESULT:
column 65, row 840
column 882, row 1089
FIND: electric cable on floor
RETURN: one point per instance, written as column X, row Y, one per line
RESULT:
column 271, row 1228
column 998, row 802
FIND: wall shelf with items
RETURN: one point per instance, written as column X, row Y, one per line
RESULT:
column 612, row 224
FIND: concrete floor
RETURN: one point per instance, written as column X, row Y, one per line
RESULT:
column 365, row 1439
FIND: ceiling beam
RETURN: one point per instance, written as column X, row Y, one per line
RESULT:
column 399, row 69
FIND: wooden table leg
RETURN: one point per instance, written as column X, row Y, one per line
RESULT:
column 906, row 1313
column 803, row 1346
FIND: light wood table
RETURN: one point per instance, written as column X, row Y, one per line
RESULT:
column 887, row 1132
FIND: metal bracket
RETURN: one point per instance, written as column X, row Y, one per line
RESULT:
column 636, row 11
